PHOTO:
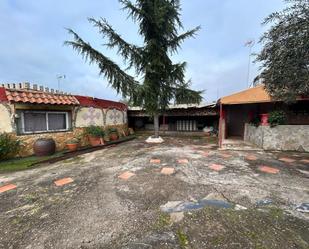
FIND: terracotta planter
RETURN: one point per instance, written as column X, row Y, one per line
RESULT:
column 72, row 147
column 94, row 141
column 106, row 138
column 264, row 119
column 113, row 136
column 44, row 147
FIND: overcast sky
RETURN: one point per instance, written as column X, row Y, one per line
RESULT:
column 33, row 32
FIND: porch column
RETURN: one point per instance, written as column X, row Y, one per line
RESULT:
column 221, row 125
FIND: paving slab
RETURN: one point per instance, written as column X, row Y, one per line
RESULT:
column 183, row 161
column 126, row 175
column 167, row 171
column 63, row 181
column 155, row 161
column 268, row 169
column 216, row 167
column 287, row 160
column 7, row 187
column 251, row 157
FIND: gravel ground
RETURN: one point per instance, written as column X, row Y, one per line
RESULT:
column 100, row 210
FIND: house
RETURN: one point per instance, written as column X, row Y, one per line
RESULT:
column 238, row 110
column 35, row 112
column 181, row 118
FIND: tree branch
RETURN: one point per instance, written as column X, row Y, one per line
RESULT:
column 175, row 43
column 119, row 80
column 129, row 52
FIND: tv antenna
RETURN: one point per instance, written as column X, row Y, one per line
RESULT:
column 249, row 44
column 59, row 78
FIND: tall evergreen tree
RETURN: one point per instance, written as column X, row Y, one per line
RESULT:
column 285, row 55
column 162, row 80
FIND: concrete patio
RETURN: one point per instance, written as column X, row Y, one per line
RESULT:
column 118, row 197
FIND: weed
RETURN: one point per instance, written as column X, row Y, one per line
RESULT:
column 182, row 239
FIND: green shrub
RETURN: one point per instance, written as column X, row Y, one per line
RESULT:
column 112, row 130
column 277, row 118
column 9, row 146
column 95, row 131
column 255, row 121
column 73, row 141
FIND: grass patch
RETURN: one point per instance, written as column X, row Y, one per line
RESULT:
column 182, row 239
column 162, row 221
column 17, row 164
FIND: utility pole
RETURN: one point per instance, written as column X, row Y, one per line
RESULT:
column 250, row 43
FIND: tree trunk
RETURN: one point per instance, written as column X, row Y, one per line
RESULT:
column 156, row 125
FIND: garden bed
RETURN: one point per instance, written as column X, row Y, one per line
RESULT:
column 24, row 163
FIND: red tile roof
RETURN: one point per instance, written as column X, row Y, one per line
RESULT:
column 37, row 97
column 100, row 103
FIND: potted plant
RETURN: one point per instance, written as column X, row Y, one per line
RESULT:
column 131, row 131
column 277, row 118
column 113, row 134
column 106, row 137
column 95, row 135
column 264, row 119
column 126, row 131
column 72, row 144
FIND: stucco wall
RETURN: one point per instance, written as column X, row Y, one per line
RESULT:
column 5, row 118
column 114, row 117
column 86, row 116
column 281, row 137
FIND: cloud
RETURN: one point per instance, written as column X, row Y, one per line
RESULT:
column 33, row 32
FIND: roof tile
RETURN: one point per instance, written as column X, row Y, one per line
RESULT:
column 28, row 96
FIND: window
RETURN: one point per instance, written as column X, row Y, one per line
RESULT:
column 40, row 121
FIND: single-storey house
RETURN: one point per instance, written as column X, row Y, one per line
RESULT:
column 35, row 112
column 237, row 111
column 177, row 118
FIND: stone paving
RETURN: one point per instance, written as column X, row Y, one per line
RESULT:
column 88, row 201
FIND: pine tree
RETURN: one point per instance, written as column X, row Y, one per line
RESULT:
column 285, row 54
column 163, row 81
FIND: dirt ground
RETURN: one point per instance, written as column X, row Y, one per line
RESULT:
column 100, row 210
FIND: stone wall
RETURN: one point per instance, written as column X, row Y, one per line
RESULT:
column 281, row 137
column 60, row 138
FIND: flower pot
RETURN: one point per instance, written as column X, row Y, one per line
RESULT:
column 264, row 119
column 94, row 141
column 106, row 138
column 44, row 147
column 72, row 147
column 113, row 136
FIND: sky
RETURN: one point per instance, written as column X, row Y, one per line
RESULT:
column 33, row 32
